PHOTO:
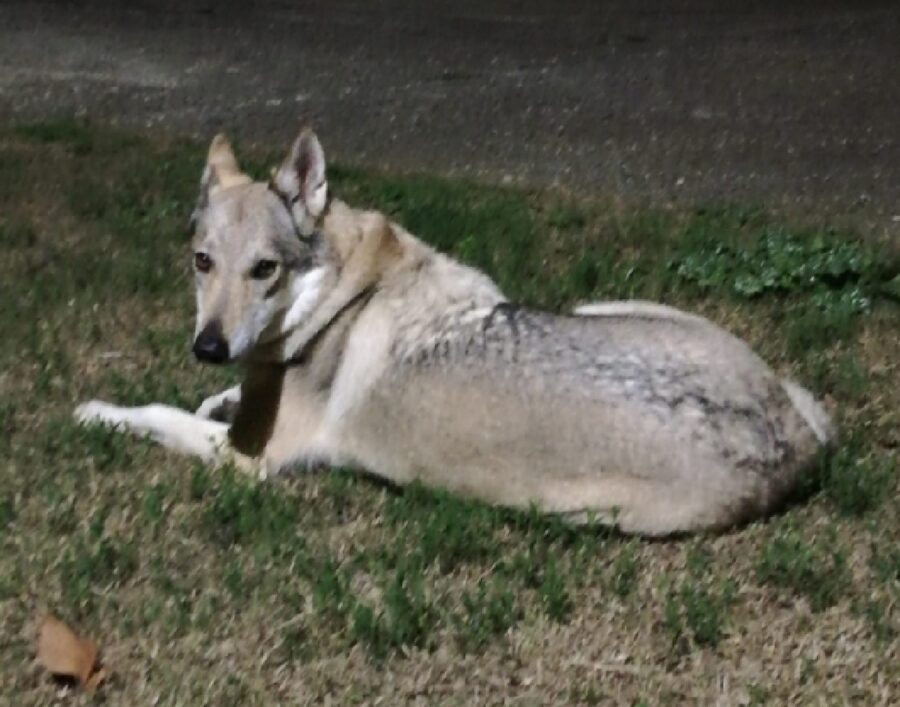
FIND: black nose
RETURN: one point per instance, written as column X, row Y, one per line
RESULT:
column 210, row 346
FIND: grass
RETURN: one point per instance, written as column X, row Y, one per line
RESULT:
column 814, row 569
column 208, row 588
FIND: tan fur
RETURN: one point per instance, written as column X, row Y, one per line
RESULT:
column 223, row 165
column 376, row 351
column 367, row 248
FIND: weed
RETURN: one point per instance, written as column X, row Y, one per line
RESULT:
column 778, row 261
column 886, row 563
column 106, row 449
column 625, row 570
column 816, row 323
column 488, row 611
column 523, row 567
column 12, row 187
column 589, row 695
column 236, row 692
column 855, row 478
column 295, row 642
column 340, row 486
column 584, row 276
column 137, row 389
column 891, row 288
column 757, row 694
column 7, row 424
column 233, row 579
column 89, row 567
column 153, row 503
column 331, row 595
column 552, row 592
column 408, row 613
column 76, row 135
column 831, row 281
column 61, row 516
column 201, row 482
column 17, row 234
column 695, row 610
column 7, row 510
column 10, row 581
column 704, row 611
column 406, row 619
column 366, row 629
column 176, row 601
column 842, row 376
column 879, row 617
column 699, row 560
column 446, row 529
column 245, row 512
column 566, row 217
column 818, row 571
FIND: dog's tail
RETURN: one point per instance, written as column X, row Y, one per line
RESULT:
column 640, row 309
column 811, row 410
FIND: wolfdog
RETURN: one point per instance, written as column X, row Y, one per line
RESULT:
column 362, row 346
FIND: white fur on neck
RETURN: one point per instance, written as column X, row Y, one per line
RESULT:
column 305, row 292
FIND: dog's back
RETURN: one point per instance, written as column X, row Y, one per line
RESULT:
column 644, row 415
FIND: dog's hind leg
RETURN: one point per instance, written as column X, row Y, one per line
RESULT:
column 641, row 506
column 175, row 429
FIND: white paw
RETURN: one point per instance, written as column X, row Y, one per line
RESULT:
column 207, row 407
column 212, row 405
column 220, row 407
column 96, row 412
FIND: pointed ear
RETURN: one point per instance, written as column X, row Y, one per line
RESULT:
column 221, row 171
column 301, row 181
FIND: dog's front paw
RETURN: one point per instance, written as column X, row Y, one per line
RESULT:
column 96, row 412
column 208, row 407
column 221, row 407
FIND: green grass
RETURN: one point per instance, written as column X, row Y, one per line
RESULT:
column 487, row 612
column 697, row 613
column 814, row 569
column 205, row 587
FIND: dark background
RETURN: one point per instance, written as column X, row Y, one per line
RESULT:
column 794, row 106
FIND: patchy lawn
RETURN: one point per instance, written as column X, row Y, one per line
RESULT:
column 208, row 588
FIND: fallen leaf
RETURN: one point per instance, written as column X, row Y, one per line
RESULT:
column 94, row 680
column 62, row 652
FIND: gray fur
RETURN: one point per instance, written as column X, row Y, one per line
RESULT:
column 373, row 350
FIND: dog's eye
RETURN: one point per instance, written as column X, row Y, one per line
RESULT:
column 202, row 262
column 263, row 270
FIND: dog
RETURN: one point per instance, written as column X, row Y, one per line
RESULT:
column 362, row 346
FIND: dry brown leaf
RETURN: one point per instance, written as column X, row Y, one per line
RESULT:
column 62, row 652
column 94, row 681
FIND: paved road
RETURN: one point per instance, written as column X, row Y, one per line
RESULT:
column 795, row 105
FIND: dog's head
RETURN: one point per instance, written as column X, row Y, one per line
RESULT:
column 258, row 259
column 276, row 262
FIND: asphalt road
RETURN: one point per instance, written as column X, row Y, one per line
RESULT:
column 791, row 105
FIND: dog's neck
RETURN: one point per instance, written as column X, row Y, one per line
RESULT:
column 299, row 345
column 294, row 343
column 365, row 251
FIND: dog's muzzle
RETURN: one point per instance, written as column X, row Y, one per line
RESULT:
column 210, row 346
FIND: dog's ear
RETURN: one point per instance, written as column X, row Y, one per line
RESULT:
column 300, row 180
column 221, row 171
